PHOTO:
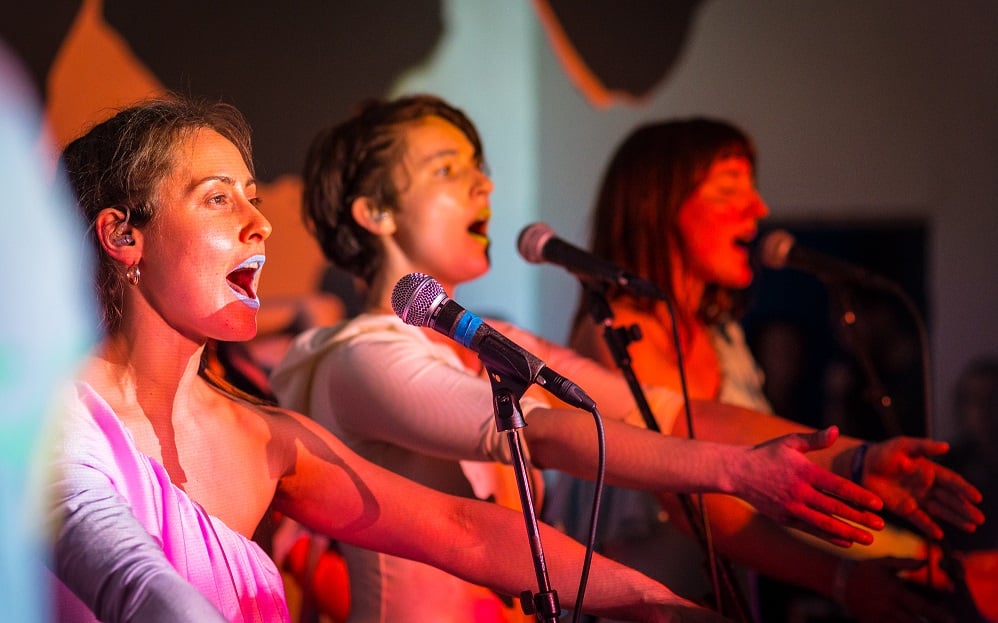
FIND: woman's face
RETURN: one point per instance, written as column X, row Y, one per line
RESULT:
column 203, row 251
column 718, row 221
column 443, row 212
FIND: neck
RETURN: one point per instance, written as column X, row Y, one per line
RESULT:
column 147, row 372
column 379, row 298
column 687, row 289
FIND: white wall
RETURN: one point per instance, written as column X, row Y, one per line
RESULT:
column 486, row 66
column 859, row 109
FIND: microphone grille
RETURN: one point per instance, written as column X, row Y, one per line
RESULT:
column 775, row 248
column 414, row 297
column 532, row 240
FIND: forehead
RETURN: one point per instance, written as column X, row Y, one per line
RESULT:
column 729, row 166
column 432, row 136
column 206, row 152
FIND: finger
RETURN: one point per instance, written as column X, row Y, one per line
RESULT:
column 827, row 527
column 847, row 491
column 828, row 505
column 948, row 479
column 963, row 516
column 924, row 447
column 810, row 528
column 837, row 503
column 924, row 523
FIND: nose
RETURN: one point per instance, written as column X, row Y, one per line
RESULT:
column 258, row 226
column 483, row 184
column 757, row 207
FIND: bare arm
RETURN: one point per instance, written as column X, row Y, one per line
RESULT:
column 899, row 470
column 333, row 491
column 775, row 477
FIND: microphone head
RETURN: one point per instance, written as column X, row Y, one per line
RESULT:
column 775, row 248
column 532, row 240
column 414, row 298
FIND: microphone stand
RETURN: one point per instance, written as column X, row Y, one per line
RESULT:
column 962, row 600
column 506, row 392
column 880, row 399
column 617, row 340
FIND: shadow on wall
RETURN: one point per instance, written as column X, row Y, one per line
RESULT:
column 290, row 70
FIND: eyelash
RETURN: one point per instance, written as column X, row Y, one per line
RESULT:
column 256, row 202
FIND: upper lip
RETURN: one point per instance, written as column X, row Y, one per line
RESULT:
column 747, row 236
column 243, row 278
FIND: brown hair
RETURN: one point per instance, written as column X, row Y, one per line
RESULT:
column 357, row 158
column 121, row 162
column 654, row 170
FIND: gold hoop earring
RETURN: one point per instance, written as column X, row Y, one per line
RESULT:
column 133, row 273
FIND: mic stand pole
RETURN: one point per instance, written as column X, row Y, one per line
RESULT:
column 506, row 392
column 617, row 340
column 880, row 399
column 949, row 563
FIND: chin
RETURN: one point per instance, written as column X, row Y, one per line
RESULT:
column 738, row 281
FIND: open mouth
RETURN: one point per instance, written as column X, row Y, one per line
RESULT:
column 479, row 229
column 744, row 241
column 242, row 280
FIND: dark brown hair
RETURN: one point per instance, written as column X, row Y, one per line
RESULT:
column 121, row 162
column 654, row 170
column 357, row 158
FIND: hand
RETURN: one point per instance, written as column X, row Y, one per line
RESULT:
column 874, row 593
column 919, row 490
column 780, row 482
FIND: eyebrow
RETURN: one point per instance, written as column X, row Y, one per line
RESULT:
column 225, row 179
column 438, row 154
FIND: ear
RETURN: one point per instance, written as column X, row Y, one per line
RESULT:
column 375, row 219
column 118, row 238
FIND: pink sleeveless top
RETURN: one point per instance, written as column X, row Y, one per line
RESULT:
column 231, row 571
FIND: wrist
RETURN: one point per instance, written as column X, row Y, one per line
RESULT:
column 733, row 464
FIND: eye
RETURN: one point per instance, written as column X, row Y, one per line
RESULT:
column 256, row 202
column 445, row 170
column 218, row 199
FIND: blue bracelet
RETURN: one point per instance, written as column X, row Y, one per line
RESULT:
column 858, row 463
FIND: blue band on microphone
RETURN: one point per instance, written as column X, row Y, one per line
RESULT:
column 467, row 325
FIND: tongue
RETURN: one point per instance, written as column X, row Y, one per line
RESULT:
column 242, row 280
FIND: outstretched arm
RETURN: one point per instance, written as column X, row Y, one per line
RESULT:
column 776, row 477
column 913, row 486
column 333, row 491
column 899, row 470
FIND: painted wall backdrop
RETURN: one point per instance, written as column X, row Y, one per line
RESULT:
column 863, row 112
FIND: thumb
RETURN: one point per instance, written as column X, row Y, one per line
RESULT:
column 816, row 440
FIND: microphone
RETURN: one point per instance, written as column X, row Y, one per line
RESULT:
column 779, row 250
column 420, row 300
column 538, row 244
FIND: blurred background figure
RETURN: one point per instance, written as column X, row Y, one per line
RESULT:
column 975, row 405
column 43, row 330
